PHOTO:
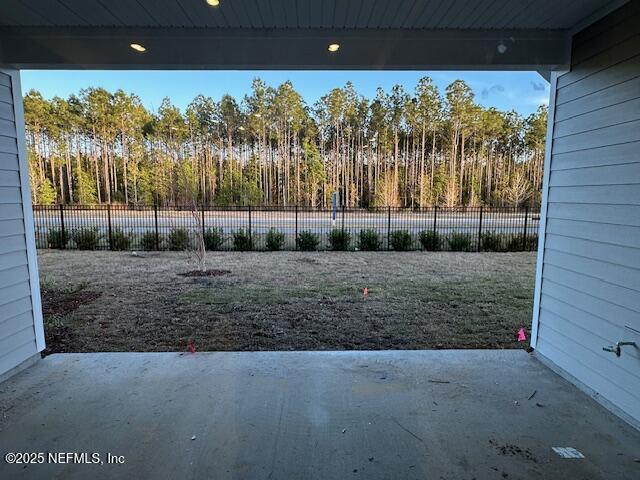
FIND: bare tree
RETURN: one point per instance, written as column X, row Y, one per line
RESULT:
column 198, row 251
column 518, row 190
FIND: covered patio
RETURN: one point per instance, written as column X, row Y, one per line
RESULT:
column 449, row 414
column 417, row 414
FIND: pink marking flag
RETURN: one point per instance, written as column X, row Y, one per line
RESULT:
column 522, row 337
column 365, row 292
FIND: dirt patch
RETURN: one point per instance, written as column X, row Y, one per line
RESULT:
column 292, row 300
column 63, row 302
column 513, row 450
column 59, row 338
column 57, row 306
column 212, row 272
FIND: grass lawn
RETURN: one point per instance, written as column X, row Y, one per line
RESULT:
column 118, row 301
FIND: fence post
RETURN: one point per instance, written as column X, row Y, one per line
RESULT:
column 480, row 230
column 155, row 211
column 202, row 215
column 524, row 232
column 109, row 223
column 435, row 220
column 62, row 229
column 389, row 227
column 342, row 227
column 295, row 239
column 250, row 237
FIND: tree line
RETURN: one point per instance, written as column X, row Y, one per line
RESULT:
column 271, row 148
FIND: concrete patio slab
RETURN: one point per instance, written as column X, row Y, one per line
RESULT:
column 311, row 415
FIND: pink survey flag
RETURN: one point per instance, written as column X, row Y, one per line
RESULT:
column 521, row 335
column 365, row 292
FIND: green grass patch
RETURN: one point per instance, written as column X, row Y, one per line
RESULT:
column 267, row 295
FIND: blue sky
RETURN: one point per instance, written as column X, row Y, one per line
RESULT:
column 520, row 91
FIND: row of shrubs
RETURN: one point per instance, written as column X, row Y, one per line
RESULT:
column 339, row 240
column 402, row 240
column 91, row 239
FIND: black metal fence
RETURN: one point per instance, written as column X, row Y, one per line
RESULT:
column 123, row 227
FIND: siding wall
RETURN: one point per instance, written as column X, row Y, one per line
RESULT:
column 20, row 312
column 589, row 291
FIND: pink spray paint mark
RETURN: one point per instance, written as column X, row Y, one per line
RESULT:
column 521, row 335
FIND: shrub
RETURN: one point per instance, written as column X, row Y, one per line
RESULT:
column 275, row 240
column 459, row 242
column 430, row 240
column 339, row 239
column 307, row 241
column 178, row 239
column 148, row 241
column 119, row 240
column 369, row 240
column 400, row 240
column 531, row 242
column 213, row 238
column 55, row 238
column 493, row 242
column 242, row 241
column 519, row 243
column 86, row 238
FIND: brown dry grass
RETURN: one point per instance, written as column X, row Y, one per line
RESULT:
column 289, row 300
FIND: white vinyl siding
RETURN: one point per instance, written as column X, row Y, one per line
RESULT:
column 590, row 279
column 18, row 322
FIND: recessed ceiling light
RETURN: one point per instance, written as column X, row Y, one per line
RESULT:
column 333, row 47
column 138, row 48
column 213, row 3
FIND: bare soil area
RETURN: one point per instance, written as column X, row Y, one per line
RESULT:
column 124, row 301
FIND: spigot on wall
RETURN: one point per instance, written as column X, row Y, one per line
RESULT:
column 618, row 347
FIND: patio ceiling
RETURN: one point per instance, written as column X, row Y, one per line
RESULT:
column 250, row 34
column 301, row 14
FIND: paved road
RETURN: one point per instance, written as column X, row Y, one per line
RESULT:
column 317, row 222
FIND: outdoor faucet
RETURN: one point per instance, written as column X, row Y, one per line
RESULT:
column 617, row 347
